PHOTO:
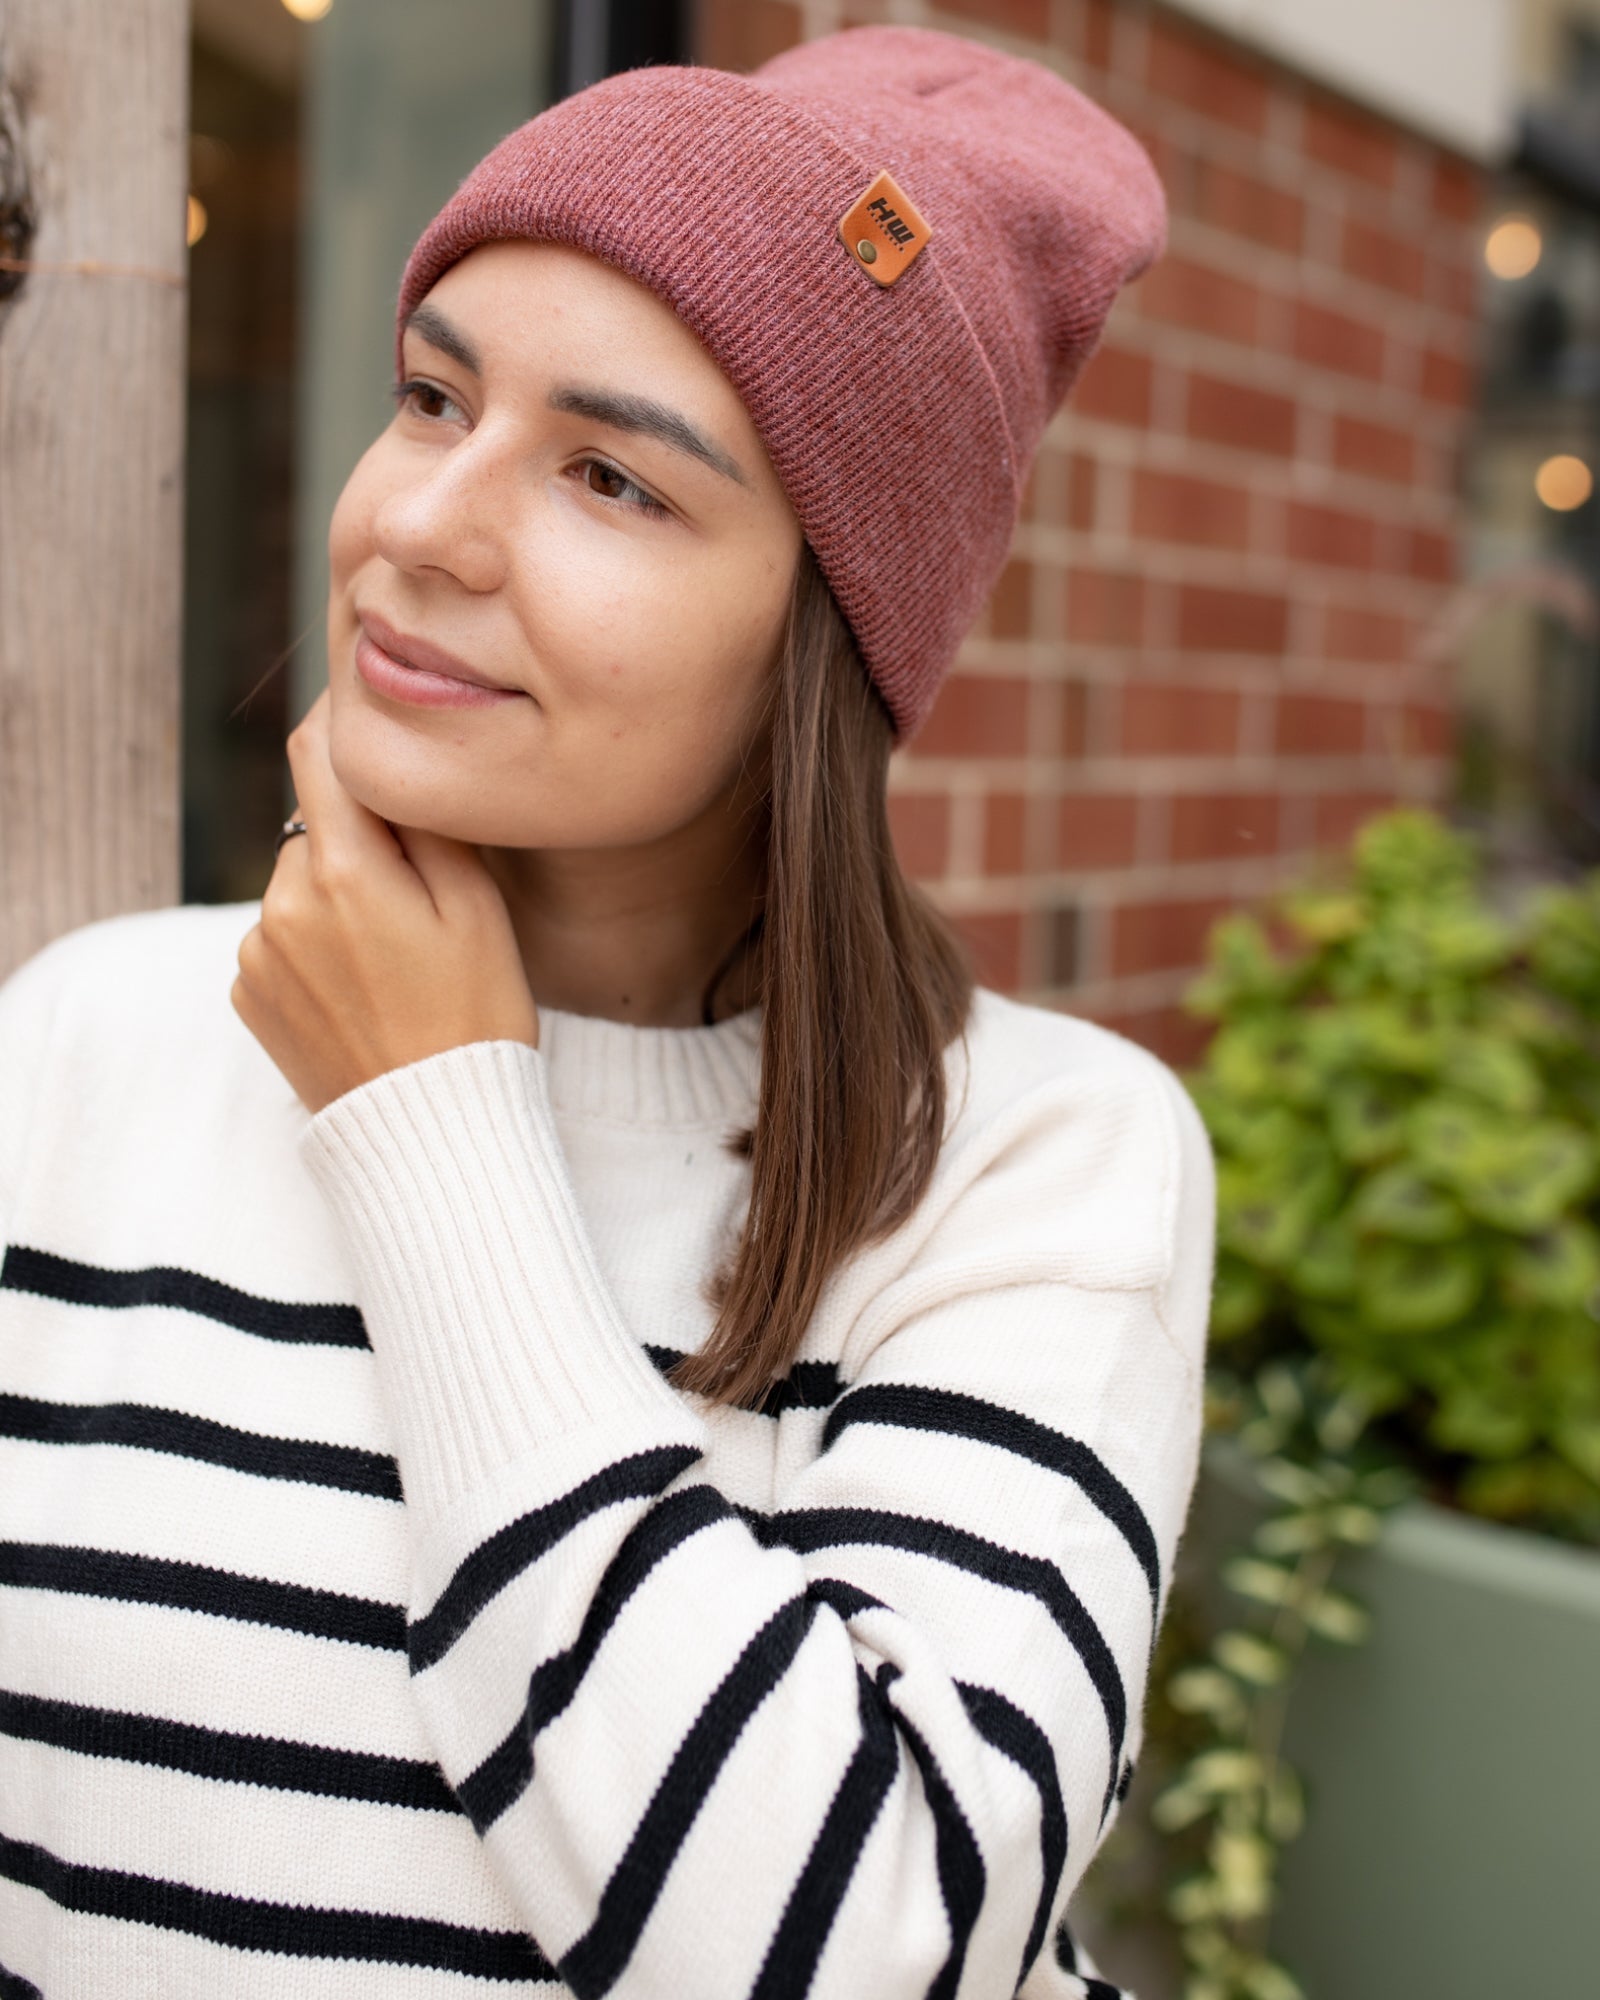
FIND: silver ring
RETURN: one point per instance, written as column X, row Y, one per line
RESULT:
column 290, row 828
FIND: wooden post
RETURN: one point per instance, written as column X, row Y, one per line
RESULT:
column 93, row 176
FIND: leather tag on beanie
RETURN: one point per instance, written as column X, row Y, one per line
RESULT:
column 883, row 231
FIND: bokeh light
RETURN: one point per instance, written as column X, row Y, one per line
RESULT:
column 1514, row 247
column 197, row 220
column 308, row 10
column 1563, row 482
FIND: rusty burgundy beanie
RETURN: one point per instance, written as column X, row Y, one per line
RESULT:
column 900, row 344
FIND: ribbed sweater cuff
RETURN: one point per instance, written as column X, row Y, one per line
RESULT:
column 492, row 1325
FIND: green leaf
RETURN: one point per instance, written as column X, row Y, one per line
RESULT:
column 1325, row 1270
column 1367, row 1119
column 1292, row 1534
column 1203, row 1690
column 1242, row 1865
column 1180, row 1805
column 1322, row 918
column 1260, row 1059
column 1281, row 1395
column 1297, row 1484
column 1357, row 1526
column 1539, row 1171
column 1342, row 1421
column 1397, row 1201
column 1221, row 1772
column 1267, row 1980
column 1456, row 1140
column 1254, row 1658
column 1415, row 1288
column 1388, row 1035
column 1578, row 1442
column 1497, row 1071
column 1336, row 1615
column 1194, row 1898
column 1560, row 1268
column 1253, row 1577
column 1260, row 1219
column 1469, row 1421
column 1565, row 946
column 1240, row 1297
column 1241, row 968
column 1412, row 852
column 1377, row 1387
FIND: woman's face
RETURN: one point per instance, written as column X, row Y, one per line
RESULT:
column 571, row 501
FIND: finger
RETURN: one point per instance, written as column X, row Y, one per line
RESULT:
column 340, row 830
column 450, row 869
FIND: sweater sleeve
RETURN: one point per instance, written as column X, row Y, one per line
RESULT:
column 866, row 1742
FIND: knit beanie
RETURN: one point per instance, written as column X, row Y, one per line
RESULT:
column 900, row 247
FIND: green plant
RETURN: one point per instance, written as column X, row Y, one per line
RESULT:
column 1403, row 1092
column 1233, row 1799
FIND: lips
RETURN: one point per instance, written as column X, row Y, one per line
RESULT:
column 429, row 659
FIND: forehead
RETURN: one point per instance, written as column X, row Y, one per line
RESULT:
column 534, row 299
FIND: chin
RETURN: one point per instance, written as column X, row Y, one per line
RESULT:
column 375, row 777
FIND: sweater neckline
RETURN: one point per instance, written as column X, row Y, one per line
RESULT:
column 597, row 1068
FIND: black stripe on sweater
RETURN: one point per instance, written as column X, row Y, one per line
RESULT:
column 915, row 1408
column 144, row 1427
column 510, row 1550
column 809, row 1915
column 810, row 1529
column 595, row 1963
column 1017, row 1736
column 505, row 1774
column 809, row 1385
column 220, row 1593
column 226, row 1755
column 251, row 1925
column 955, row 1848
column 14, row 1987
column 53, row 1277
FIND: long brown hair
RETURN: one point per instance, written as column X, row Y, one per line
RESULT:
column 863, row 985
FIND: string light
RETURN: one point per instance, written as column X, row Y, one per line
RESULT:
column 1563, row 483
column 308, row 10
column 197, row 220
column 1514, row 247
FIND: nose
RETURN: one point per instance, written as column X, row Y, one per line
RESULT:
column 451, row 513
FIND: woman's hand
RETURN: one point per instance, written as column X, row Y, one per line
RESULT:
column 376, row 946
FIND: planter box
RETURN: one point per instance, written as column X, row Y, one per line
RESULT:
column 1452, row 1762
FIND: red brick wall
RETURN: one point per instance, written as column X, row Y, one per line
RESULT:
column 1208, row 657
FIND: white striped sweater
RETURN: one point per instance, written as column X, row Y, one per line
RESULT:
column 375, row 1619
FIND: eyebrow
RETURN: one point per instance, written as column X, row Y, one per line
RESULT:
column 616, row 408
column 439, row 332
column 624, row 412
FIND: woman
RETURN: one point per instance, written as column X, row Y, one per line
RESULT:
column 580, row 1413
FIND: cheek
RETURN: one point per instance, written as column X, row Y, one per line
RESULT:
column 350, row 526
column 686, row 647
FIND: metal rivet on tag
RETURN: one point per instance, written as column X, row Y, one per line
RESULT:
column 883, row 231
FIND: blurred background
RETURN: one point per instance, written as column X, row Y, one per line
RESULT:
column 1315, row 533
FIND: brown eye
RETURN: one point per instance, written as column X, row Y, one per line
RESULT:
column 615, row 485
